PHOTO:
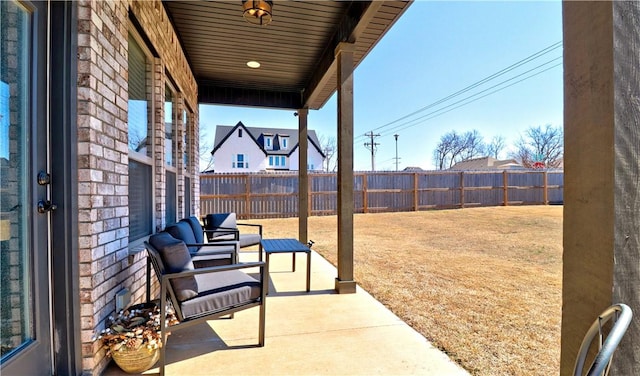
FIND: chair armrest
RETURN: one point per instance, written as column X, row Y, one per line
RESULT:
column 222, row 231
column 252, row 225
column 213, row 269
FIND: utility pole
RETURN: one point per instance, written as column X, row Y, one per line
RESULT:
column 396, row 137
column 372, row 147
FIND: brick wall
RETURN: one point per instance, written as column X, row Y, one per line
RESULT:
column 108, row 262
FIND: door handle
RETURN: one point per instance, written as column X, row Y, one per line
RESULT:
column 46, row 206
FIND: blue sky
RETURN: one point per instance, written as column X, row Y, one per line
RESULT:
column 437, row 49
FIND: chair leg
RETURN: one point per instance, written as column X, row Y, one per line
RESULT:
column 261, row 324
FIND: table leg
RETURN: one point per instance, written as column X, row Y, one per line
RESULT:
column 308, row 271
column 266, row 288
column 293, row 267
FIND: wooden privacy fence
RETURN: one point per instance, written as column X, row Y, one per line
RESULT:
column 275, row 195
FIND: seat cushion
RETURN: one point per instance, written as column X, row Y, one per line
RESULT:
column 209, row 256
column 247, row 240
column 176, row 258
column 221, row 290
column 211, row 260
column 196, row 227
column 184, row 232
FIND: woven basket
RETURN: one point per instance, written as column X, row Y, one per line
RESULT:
column 136, row 361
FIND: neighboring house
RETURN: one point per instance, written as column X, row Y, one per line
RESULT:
column 487, row 163
column 249, row 149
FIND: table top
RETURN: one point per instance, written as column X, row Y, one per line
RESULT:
column 283, row 245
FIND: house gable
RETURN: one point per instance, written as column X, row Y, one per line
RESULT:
column 270, row 142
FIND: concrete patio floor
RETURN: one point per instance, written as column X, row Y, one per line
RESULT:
column 315, row 333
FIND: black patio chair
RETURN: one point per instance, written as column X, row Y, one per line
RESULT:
column 224, row 227
column 198, row 295
column 223, row 252
column 621, row 314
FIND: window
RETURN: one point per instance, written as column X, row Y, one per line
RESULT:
column 240, row 161
column 277, row 161
column 285, row 142
column 169, row 127
column 171, row 112
column 140, row 141
column 310, row 167
column 239, row 132
column 268, row 142
column 139, row 100
column 185, row 140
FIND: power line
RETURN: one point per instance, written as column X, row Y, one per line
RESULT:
column 438, row 112
column 501, row 72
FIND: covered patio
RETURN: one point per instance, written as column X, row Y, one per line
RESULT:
column 315, row 333
column 310, row 51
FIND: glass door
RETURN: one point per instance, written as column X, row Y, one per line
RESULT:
column 25, row 319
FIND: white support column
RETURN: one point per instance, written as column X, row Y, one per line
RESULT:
column 303, row 176
column 345, row 282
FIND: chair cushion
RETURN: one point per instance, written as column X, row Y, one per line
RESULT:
column 209, row 256
column 176, row 258
column 214, row 221
column 247, row 240
column 184, row 232
column 196, row 227
column 221, row 290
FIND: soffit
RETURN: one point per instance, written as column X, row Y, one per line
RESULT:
column 296, row 51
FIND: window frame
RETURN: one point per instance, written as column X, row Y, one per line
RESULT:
column 145, row 158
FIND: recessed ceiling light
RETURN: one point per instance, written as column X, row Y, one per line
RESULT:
column 253, row 64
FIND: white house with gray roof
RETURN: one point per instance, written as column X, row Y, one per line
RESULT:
column 250, row 149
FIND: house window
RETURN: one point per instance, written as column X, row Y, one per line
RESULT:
column 239, row 132
column 169, row 126
column 310, row 167
column 285, row 142
column 277, row 161
column 268, row 142
column 240, row 161
column 170, row 154
column 185, row 140
column 140, row 140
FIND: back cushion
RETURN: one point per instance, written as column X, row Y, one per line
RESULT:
column 196, row 227
column 184, row 232
column 227, row 220
column 176, row 258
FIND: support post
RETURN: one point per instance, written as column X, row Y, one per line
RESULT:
column 344, row 55
column 303, row 176
column 602, row 167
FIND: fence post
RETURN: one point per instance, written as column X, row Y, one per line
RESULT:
column 415, row 192
column 545, row 192
column 365, row 209
column 462, row 189
column 310, row 195
column 505, row 184
column 247, row 198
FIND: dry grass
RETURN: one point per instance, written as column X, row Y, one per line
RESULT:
column 482, row 284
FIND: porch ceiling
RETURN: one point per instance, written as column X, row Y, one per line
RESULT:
column 296, row 51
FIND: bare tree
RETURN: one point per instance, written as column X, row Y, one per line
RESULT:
column 330, row 150
column 454, row 148
column 495, row 146
column 541, row 146
column 205, row 150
